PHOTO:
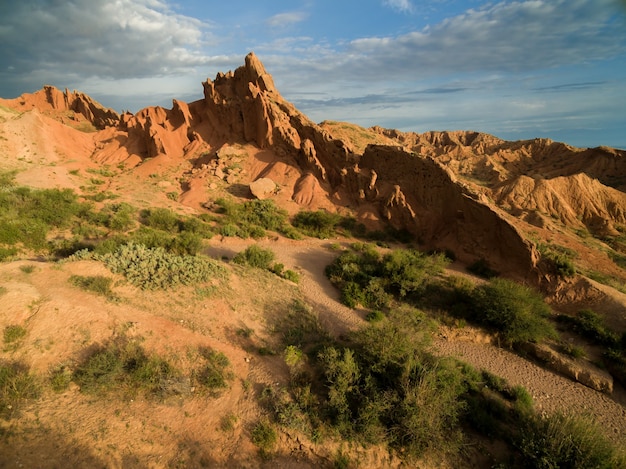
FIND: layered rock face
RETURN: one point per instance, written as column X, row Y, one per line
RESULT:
column 421, row 195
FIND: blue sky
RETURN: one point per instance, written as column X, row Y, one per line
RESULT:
column 515, row 69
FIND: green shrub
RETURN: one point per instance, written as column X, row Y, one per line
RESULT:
column 518, row 313
column 96, row 284
column 27, row 215
column 375, row 316
column 565, row 441
column 161, row 219
column 186, row 243
column 559, row 258
column 213, row 374
column 592, row 326
column 13, row 334
column 227, row 422
column 154, row 268
column 366, row 278
column 265, row 437
column 121, row 217
column 482, row 268
column 291, row 275
column 16, row 385
column 319, row 224
column 255, row 256
column 197, row 226
column 407, row 270
column 7, row 253
column 122, row 365
column 60, row 378
column 252, row 218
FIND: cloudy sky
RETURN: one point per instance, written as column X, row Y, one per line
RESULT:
column 516, row 69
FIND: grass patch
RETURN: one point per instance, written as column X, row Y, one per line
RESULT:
column 566, row 441
column 60, row 378
column 252, row 218
column 265, row 437
column 12, row 336
column 123, row 366
column 96, row 284
column 16, row 385
column 214, row 373
column 228, row 422
column 27, row 269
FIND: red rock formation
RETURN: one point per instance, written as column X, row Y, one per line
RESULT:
column 448, row 188
column 421, row 195
column 51, row 98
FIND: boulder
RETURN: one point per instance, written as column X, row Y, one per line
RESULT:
column 263, row 188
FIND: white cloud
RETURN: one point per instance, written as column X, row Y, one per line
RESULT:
column 507, row 36
column 282, row 20
column 109, row 38
column 400, row 5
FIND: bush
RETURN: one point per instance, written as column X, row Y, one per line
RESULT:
column 319, row 224
column 265, row 437
column 482, row 268
column 213, row 373
column 161, row 219
column 60, row 378
column 591, row 325
column 27, row 216
column 96, row 284
column 122, row 365
column 366, row 278
column 255, row 256
column 518, row 313
column 252, row 218
column 154, row 268
column 16, row 385
column 121, row 217
column 559, row 258
column 565, row 441
column 13, row 335
column 7, row 253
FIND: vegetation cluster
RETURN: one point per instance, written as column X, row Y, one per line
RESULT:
column 381, row 385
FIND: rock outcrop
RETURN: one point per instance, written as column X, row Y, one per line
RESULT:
column 51, row 98
column 421, row 195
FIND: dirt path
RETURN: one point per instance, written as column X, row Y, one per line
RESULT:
column 551, row 392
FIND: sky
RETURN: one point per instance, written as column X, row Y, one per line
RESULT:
column 515, row 69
